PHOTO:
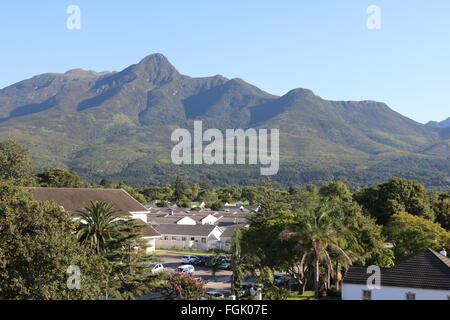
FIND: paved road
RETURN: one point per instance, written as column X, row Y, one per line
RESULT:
column 223, row 277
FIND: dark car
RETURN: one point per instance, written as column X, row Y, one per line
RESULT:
column 200, row 261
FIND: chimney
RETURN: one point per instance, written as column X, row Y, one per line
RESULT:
column 443, row 252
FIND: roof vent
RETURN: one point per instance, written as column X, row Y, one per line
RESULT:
column 443, row 252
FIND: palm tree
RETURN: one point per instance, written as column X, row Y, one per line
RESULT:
column 97, row 225
column 318, row 237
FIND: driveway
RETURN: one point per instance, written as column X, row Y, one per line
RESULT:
column 223, row 277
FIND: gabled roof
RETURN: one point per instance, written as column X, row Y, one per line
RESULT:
column 228, row 232
column 76, row 199
column 428, row 270
column 188, row 230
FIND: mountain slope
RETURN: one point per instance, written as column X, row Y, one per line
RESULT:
column 119, row 124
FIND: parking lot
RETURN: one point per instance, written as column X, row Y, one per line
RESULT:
column 223, row 277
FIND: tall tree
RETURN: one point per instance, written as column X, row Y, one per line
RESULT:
column 397, row 195
column 14, row 164
column 60, row 178
column 411, row 235
column 318, row 235
column 130, row 276
column 236, row 263
column 179, row 189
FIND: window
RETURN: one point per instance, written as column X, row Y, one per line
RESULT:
column 410, row 296
column 192, row 239
column 166, row 238
column 174, row 238
column 183, row 238
column 367, row 295
column 203, row 240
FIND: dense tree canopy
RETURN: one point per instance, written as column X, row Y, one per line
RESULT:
column 60, row 178
column 14, row 164
column 37, row 246
column 397, row 195
column 411, row 235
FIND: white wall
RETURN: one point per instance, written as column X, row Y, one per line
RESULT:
column 354, row 292
column 151, row 242
column 187, row 221
column 209, row 219
column 140, row 215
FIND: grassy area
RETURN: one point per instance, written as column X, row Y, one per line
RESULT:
column 193, row 253
column 293, row 295
column 308, row 295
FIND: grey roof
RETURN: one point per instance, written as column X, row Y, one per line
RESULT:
column 428, row 270
column 229, row 231
column 188, row 230
column 77, row 199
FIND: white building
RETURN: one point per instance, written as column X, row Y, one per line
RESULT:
column 188, row 237
column 425, row 276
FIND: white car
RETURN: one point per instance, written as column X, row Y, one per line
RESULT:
column 188, row 259
column 186, row 269
column 156, row 268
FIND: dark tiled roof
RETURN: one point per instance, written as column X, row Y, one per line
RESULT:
column 428, row 270
column 188, row 230
column 149, row 231
column 76, row 199
column 229, row 231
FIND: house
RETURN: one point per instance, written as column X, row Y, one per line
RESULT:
column 74, row 200
column 188, row 237
column 425, row 276
column 222, row 218
column 186, row 221
column 200, row 205
column 227, row 235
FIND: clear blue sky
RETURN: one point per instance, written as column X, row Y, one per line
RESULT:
column 322, row 45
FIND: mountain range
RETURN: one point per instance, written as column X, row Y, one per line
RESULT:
column 443, row 124
column 118, row 125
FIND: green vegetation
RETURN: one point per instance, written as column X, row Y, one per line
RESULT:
column 124, row 135
column 37, row 246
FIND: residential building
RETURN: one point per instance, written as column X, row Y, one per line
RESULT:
column 75, row 200
column 188, row 237
column 425, row 276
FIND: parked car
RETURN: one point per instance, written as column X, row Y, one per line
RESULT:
column 215, row 261
column 282, row 279
column 188, row 259
column 226, row 265
column 156, row 268
column 215, row 294
column 186, row 269
column 200, row 261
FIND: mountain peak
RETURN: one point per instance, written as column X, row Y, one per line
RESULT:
column 300, row 92
column 157, row 68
